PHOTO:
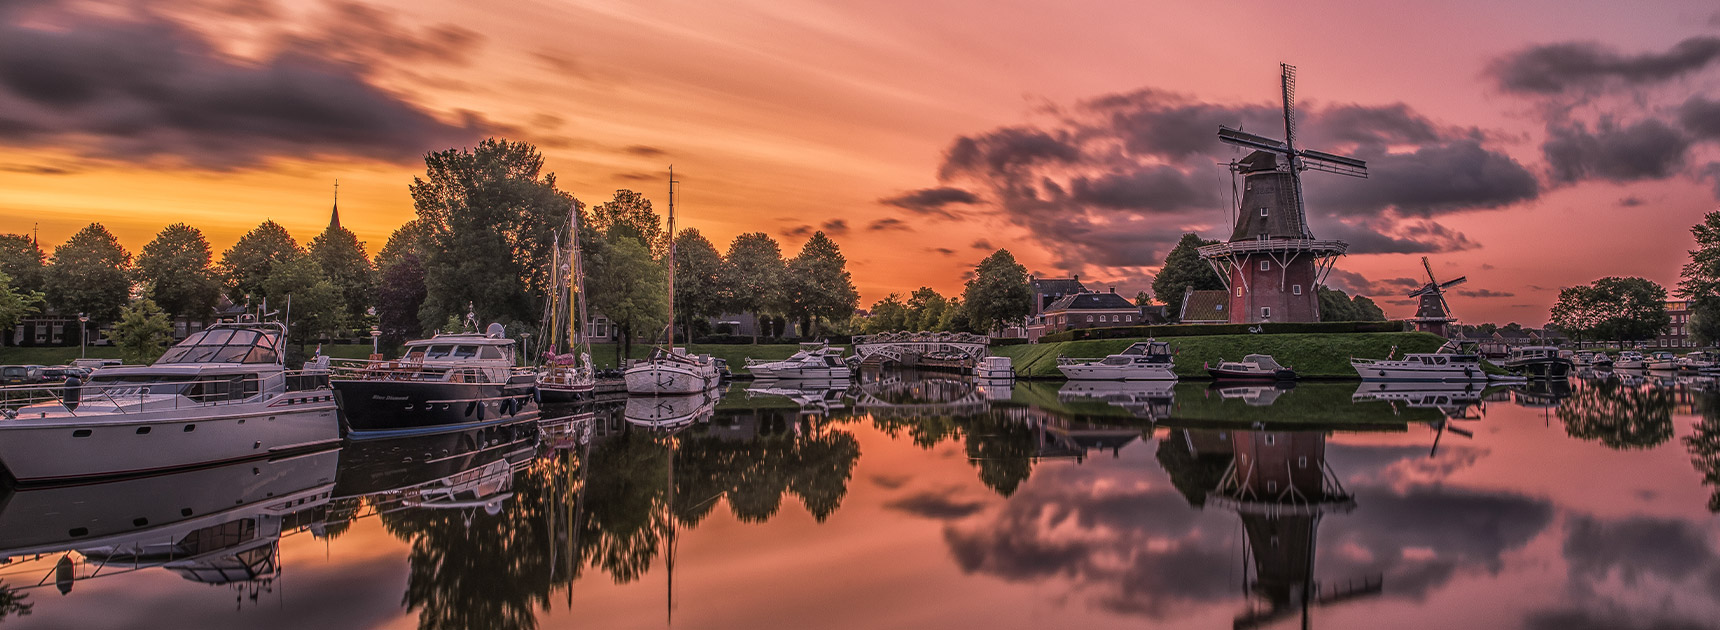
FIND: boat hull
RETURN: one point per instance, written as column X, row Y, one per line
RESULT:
column 1224, row 374
column 1095, row 372
column 1407, row 372
column 809, row 373
column 72, row 449
column 381, row 408
column 670, row 378
column 565, row 393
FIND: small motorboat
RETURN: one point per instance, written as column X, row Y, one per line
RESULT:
column 995, row 369
column 1447, row 365
column 1662, row 362
column 815, row 360
column 1254, row 367
column 1145, row 361
column 1698, row 361
column 1630, row 360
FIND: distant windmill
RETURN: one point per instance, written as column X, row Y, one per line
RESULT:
column 1433, row 313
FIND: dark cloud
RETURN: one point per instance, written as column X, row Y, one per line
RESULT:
column 1006, row 150
column 643, row 151
column 1356, row 284
column 891, row 482
column 1485, row 293
column 639, row 176
column 562, row 63
column 1554, row 68
column 1470, row 530
column 836, row 226
column 933, row 201
column 890, row 223
column 942, row 250
column 939, row 505
column 1649, row 149
column 1630, row 202
column 1385, row 125
column 798, row 231
column 982, row 245
column 1607, row 620
column 1389, row 235
column 370, row 38
column 1701, row 117
column 1635, row 547
column 149, row 89
column 1434, row 179
column 1150, row 188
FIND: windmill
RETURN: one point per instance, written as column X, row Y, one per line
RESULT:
column 1272, row 262
column 1433, row 313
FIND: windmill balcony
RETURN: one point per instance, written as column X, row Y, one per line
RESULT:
column 1314, row 246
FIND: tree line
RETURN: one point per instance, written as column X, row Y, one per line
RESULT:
column 487, row 220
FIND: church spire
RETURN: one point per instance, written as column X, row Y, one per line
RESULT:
column 334, row 215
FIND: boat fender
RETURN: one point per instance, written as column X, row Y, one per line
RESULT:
column 537, row 395
column 471, row 408
column 480, row 405
column 74, row 390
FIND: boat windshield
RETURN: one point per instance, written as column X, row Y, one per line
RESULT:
column 137, row 385
column 226, row 345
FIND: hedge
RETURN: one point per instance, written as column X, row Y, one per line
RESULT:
column 1195, row 330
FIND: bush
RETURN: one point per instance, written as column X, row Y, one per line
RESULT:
column 1196, row 330
column 1007, row 341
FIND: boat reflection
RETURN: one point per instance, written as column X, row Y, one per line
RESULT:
column 1143, row 399
column 1252, row 394
column 814, row 396
column 218, row 525
column 671, row 412
column 1454, row 400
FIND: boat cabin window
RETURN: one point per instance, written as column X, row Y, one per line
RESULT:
column 491, row 352
column 465, row 352
column 137, row 385
column 225, row 345
column 831, row 361
column 1115, row 361
column 414, row 354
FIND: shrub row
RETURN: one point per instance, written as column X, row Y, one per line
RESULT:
column 1196, row 330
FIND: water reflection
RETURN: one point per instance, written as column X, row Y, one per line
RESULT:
column 1332, row 504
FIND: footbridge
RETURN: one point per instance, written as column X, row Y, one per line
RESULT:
column 907, row 348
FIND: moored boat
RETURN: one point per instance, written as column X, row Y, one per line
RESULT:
column 994, row 368
column 221, row 395
column 1447, row 365
column 1698, row 361
column 672, row 372
column 1253, row 367
column 1662, row 362
column 1539, row 362
column 446, row 382
column 1144, row 361
column 1630, row 360
column 566, row 374
column 816, row 360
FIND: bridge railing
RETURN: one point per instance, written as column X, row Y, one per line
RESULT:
column 921, row 337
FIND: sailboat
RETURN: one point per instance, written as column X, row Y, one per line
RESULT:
column 672, row 370
column 566, row 374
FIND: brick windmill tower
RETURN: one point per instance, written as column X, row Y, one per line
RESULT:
column 1272, row 263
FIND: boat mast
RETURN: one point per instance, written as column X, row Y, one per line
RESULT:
column 578, row 327
column 671, row 259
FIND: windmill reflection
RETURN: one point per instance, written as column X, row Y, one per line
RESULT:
column 1279, row 484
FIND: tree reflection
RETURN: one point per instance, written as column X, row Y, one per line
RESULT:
column 1619, row 416
column 613, row 506
column 1704, row 445
column 14, row 603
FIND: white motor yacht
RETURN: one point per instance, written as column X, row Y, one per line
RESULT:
column 1630, row 360
column 1698, row 361
column 1145, row 361
column 814, row 360
column 1446, row 365
column 221, row 395
column 995, row 369
column 1662, row 362
column 672, row 372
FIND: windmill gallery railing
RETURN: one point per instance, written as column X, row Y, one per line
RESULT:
column 905, row 347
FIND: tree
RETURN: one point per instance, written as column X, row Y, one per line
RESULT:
column 491, row 215
column 629, row 214
column 247, row 264
column 1143, row 298
column 1700, row 281
column 175, row 272
column 23, row 260
column 16, row 303
column 142, row 332
column 1337, row 306
column 91, row 274
column 698, row 279
column 399, row 295
column 1612, row 308
column 340, row 256
column 888, row 315
column 925, row 309
column 753, row 271
column 307, row 297
column 998, row 293
column 817, row 286
column 627, row 286
column 1183, row 269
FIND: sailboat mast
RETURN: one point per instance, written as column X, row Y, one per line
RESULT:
column 578, row 327
column 671, row 258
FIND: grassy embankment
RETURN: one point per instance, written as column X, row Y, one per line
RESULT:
column 1312, row 355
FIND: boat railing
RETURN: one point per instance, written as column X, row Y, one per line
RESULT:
column 120, row 393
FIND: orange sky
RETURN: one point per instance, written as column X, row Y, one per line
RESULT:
column 796, row 112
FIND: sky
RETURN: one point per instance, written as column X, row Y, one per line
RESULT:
column 1528, row 145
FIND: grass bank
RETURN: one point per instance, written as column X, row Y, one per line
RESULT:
column 1312, row 355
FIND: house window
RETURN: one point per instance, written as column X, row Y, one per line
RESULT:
column 1089, row 319
column 1263, row 212
column 1271, row 486
column 1271, row 439
column 1265, row 312
column 1302, row 462
column 1239, row 291
column 1295, row 289
column 1266, row 265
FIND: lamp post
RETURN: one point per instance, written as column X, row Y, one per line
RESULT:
column 375, row 344
column 526, row 343
column 83, row 333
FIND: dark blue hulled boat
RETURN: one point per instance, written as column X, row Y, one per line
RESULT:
column 444, row 383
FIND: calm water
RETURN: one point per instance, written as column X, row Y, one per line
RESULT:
column 909, row 501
